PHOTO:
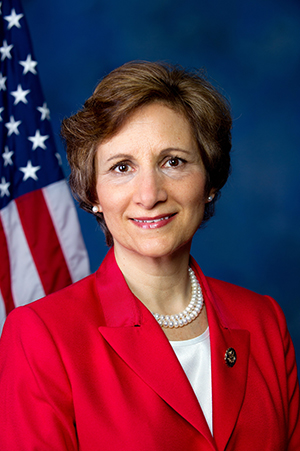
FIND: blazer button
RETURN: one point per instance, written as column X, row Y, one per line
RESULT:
column 230, row 357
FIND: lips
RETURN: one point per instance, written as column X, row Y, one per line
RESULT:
column 149, row 221
column 153, row 223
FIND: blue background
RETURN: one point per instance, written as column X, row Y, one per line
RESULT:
column 252, row 50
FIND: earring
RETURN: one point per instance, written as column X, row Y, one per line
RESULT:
column 210, row 198
column 95, row 209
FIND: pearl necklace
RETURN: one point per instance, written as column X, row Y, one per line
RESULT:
column 191, row 312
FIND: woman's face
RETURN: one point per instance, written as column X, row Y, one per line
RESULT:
column 151, row 183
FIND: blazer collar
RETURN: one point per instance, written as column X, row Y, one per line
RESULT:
column 133, row 333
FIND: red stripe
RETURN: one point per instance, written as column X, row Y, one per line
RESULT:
column 43, row 241
column 5, row 278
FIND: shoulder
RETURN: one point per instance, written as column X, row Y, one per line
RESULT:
column 238, row 306
column 230, row 292
column 247, row 308
column 75, row 296
column 66, row 308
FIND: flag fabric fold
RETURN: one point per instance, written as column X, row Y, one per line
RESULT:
column 41, row 245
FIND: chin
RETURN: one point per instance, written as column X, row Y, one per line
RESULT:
column 161, row 250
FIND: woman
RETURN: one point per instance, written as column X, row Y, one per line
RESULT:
column 148, row 353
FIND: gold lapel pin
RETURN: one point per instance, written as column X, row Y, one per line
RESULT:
column 230, row 357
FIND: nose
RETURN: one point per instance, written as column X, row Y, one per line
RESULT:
column 149, row 189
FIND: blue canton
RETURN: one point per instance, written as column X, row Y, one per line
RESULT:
column 29, row 160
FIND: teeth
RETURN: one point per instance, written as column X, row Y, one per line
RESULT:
column 150, row 221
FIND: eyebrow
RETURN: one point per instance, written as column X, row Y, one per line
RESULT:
column 125, row 156
column 120, row 156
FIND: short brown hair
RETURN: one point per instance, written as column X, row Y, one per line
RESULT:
column 122, row 92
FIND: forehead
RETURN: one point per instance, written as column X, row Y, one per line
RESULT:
column 155, row 124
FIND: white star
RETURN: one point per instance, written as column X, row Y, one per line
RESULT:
column 29, row 65
column 13, row 19
column 2, row 82
column 0, row 8
column 30, row 171
column 44, row 110
column 7, row 154
column 1, row 109
column 4, row 187
column 12, row 126
column 38, row 140
column 20, row 95
column 5, row 51
column 58, row 158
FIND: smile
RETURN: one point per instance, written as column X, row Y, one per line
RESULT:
column 148, row 223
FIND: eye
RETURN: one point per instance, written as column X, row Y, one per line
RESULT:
column 121, row 168
column 174, row 162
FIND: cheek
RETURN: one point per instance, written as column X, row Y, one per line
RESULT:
column 195, row 192
column 111, row 202
column 104, row 193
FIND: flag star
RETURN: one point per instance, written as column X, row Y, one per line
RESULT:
column 20, row 95
column 58, row 158
column 7, row 154
column 4, row 187
column 44, row 110
column 1, row 109
column 38, row 140
column 5, row 51
column 13, row 19
column 29, row 65
column 12, row 126
column 2, row 82
column 30, row 171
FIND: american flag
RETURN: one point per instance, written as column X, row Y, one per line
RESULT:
column 41, row 246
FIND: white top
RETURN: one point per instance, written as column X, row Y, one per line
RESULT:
column 194, row 357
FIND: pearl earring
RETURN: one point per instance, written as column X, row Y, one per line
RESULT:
column 210, row 198
column 95, row 209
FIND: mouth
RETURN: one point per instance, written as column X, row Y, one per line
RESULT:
column 153, row 222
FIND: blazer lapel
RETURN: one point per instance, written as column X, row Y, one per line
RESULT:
column 133, row 333
column 228, row 382
column 154, row 361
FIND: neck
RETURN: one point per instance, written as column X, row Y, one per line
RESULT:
column 162, row 284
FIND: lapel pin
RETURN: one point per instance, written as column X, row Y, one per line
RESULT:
column 230, row 357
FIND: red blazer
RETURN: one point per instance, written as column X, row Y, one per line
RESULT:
column 88, row 368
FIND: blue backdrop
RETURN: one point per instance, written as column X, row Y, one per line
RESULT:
column 252, row 50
